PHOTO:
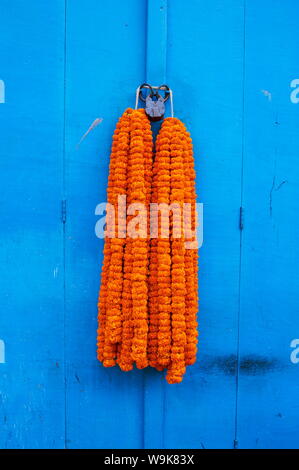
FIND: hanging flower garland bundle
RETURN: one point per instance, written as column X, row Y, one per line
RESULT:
column 148, row 300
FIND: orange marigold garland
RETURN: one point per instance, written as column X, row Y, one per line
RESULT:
column 191, row 254
column 115, row 279
column 125, row 360
column 162, row 163
column 106, row 351
column 177, row 368
column 148, row 296
column 140, row 245
column 152, row 346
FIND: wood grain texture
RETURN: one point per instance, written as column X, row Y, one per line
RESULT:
column 268, row 407
column 206, row 74
column 32, row 394
column 105, row 63
column 65, row 64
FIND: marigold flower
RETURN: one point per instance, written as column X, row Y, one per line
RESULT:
column 162, row 170
column 177, row 367
column 148, row 298
column 191, row 255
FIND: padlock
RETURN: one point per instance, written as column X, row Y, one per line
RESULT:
column 154, row 102
column 155, row 109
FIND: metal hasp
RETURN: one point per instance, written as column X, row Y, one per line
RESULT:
column 154, row 101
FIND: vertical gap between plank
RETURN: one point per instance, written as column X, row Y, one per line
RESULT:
column 64, row 226
column 241, row 231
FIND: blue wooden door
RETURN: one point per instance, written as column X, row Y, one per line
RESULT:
column 233, row 68
column 31, row 250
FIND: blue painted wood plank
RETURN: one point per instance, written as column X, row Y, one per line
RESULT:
column 156, row 42
column 31, row 287
column 205, row 70
column 248, row 308
column 105, row 64
column 268, row 408
column 156, row 56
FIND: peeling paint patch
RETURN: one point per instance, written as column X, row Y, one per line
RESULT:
column 95, row 123
column 267, row 94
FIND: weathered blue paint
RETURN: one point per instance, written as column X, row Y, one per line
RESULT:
column 233, row 68
column 31, row 249
column 268, row 402
column 105, row 62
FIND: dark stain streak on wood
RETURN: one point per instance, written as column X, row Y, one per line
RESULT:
column 77, row 378
column 248, row 365
column 255, row 365
column 280, row 185
column 228, row 364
